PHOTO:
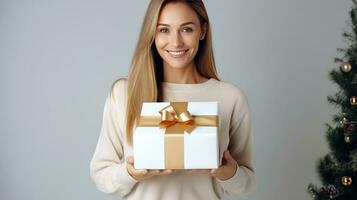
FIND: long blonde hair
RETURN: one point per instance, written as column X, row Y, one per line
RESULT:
column 146, row 72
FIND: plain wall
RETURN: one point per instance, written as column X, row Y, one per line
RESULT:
column 58, row 60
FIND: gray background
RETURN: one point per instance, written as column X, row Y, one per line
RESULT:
column 59, row 58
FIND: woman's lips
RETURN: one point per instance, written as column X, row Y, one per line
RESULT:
column 177, row 54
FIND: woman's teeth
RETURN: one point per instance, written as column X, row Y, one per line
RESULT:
column 177, row 53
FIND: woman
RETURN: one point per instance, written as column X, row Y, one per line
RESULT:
column 173, row 61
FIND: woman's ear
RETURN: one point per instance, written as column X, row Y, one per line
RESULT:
column 204, row 31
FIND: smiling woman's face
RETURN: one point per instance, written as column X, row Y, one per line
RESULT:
column 177, row 35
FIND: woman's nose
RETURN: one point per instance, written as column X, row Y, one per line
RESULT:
column 176, row 40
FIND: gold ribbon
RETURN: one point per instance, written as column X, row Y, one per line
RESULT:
column 174, row 113
column 176, row 119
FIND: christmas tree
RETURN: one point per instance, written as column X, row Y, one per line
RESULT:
column 338, row 169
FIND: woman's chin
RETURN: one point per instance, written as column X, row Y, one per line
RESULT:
column 177, row 64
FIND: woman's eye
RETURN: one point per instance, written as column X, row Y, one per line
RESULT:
column 187, row 29
column 163, row 30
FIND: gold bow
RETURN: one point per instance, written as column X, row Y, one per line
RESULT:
column 177, row 113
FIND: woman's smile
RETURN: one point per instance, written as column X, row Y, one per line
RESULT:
column 177, row 54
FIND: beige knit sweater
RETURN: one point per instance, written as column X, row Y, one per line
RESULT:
column 108, row 165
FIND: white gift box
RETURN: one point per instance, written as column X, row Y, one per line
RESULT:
column 200, row 147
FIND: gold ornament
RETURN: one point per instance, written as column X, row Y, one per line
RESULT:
column 346, row 180
column 353, row 100
column 346, row 67
column 347, row 139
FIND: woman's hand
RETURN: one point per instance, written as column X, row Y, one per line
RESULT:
column 224, row 172
column 142, row 174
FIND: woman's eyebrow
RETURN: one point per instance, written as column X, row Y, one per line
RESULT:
column 184, row 24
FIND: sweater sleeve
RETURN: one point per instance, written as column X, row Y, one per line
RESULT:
column 108, row 165
column 243, row 181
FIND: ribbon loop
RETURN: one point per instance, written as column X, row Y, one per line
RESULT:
column 176, row 113
column 186, row 117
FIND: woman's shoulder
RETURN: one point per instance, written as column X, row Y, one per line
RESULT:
column 118, row 89
column 231, row 89
column 232, row 95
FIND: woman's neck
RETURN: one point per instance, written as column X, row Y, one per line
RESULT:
column 188, row 75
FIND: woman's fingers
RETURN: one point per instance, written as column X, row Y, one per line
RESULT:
column 130, row 166
column 154, row 172
column 214, row 172
column 130, row 160
column 225, row 171
column 228, row 157
column 160, row 172
column 199, row 171
column 179, row 170
column 136, row 172
column 167, row 171
column 141, row 174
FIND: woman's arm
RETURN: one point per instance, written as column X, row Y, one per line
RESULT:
column 108, row 166
column 244, row 180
